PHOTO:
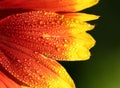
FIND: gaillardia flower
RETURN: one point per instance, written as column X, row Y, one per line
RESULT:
column 32, row 40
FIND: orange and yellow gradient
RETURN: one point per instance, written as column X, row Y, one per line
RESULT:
column 31, row 41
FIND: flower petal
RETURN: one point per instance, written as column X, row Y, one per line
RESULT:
column 48, row 33
column 5, row 82
column 33, row 69
column 50, row 5
column 81, row 16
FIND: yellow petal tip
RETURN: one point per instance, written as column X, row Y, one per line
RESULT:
column 83, row 4
column 79, row 48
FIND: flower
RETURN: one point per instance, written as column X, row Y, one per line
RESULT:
column 33, row 39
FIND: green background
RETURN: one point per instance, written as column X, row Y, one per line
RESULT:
column 103, row 68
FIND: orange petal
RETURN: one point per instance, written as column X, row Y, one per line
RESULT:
column 50, row 5
column 48, row 33
column 33, row 69
column 5, row 82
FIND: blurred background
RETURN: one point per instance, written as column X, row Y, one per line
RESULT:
column 103, row 68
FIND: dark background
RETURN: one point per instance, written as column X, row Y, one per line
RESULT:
column 103, row 68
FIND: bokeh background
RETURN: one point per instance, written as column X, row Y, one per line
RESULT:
column 103, row 68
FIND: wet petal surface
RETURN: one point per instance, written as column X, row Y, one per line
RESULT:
column 33, row 69
column 48, row 33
